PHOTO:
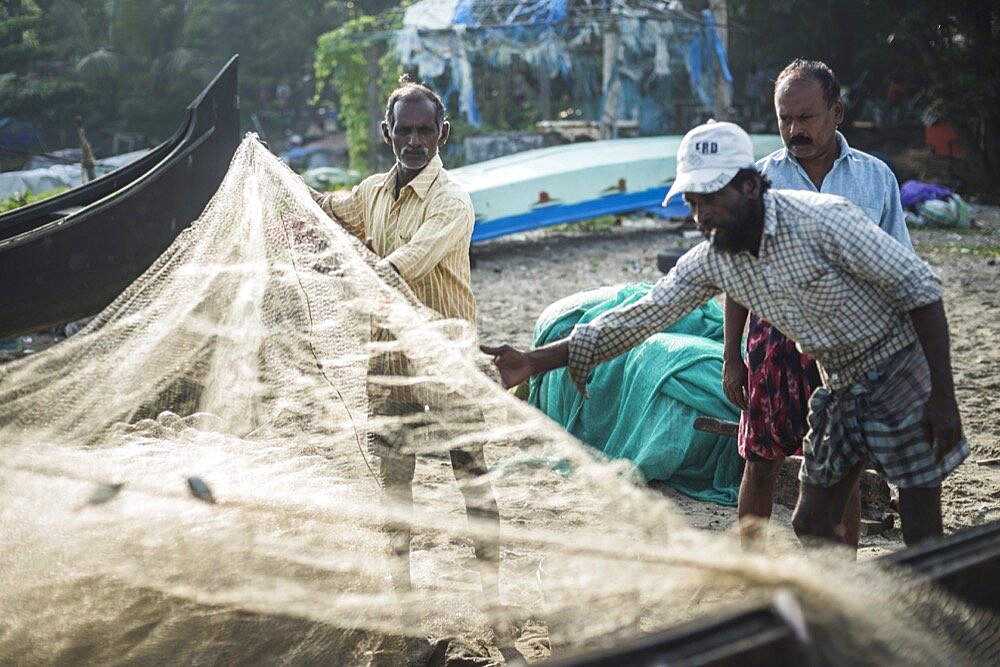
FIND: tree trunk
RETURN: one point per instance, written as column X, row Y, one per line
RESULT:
column 544, row 93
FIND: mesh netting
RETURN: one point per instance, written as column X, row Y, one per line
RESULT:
column 234, row 371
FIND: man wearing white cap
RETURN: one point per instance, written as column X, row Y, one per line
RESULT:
column 773, row 382
column 815, row 266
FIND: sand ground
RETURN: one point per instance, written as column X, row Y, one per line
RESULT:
column 515, row 278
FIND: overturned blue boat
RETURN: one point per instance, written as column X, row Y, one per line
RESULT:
column 573, row 182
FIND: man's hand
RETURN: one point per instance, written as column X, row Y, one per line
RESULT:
column 515, row 366
column 734, row 382
column 942, row 424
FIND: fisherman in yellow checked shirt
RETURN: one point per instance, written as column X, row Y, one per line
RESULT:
column 419, row 221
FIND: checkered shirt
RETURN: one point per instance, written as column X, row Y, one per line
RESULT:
column 825, row 275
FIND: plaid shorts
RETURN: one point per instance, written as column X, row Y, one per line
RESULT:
column 878, row 418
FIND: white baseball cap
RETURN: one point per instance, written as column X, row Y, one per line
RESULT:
column 709, row 157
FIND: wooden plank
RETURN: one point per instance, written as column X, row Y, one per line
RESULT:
column 716, row 426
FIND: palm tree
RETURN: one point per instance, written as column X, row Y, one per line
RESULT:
column 141, row 65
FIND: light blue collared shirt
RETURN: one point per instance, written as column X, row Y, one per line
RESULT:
column 857, row 176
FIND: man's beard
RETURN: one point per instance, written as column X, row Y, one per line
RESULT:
column 741, row 235
column 413, row 160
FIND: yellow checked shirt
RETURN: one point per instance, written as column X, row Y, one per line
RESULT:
column 425, row 233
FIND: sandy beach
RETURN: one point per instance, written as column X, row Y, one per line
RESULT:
column 514, row 279
column 517, row 277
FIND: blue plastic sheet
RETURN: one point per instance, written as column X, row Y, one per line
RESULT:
column 912, row 193
column 698, row 60
column 545, row 35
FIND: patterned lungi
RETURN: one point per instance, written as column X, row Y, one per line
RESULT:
column 781, row 379
column 878, row 418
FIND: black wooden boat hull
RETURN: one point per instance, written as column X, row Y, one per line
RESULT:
column 69, row 256
column 966, row 564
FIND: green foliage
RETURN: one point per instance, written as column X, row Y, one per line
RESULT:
column 19, row 42
column 119, row 64
column 344, row 59
column 134, row 65
column 142, row 68
column 604, row 223
column 142, row 30
column 75, row 27
column 276, row 41
column 53, row 100
column 27, row 197
column 847, row 38
column 953, row 51
column 48, row 103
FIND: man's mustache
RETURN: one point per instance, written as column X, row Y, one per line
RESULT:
column 799, row 141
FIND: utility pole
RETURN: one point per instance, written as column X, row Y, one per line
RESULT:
column 544, row 91
column 723, row 90
column 88, row 163
column 610, row 82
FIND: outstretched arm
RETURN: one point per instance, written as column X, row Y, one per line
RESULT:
column 615, row 331
column 942, row 423
column 734, row 370
column 516, row 366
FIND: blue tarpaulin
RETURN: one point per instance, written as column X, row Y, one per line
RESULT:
column 701, row 51
column 19, row 136
column 451, row 37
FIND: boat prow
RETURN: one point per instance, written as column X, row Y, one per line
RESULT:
column 67, row 257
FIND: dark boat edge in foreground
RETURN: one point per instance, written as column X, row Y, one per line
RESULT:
column 69, row 256
column 966, row 564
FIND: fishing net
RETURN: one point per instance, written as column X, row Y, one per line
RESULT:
column 192, row 478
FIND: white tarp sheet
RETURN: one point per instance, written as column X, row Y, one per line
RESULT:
column 59, row 175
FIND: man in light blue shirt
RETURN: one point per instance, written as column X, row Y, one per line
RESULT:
column 773, row 387
column 855, row 175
